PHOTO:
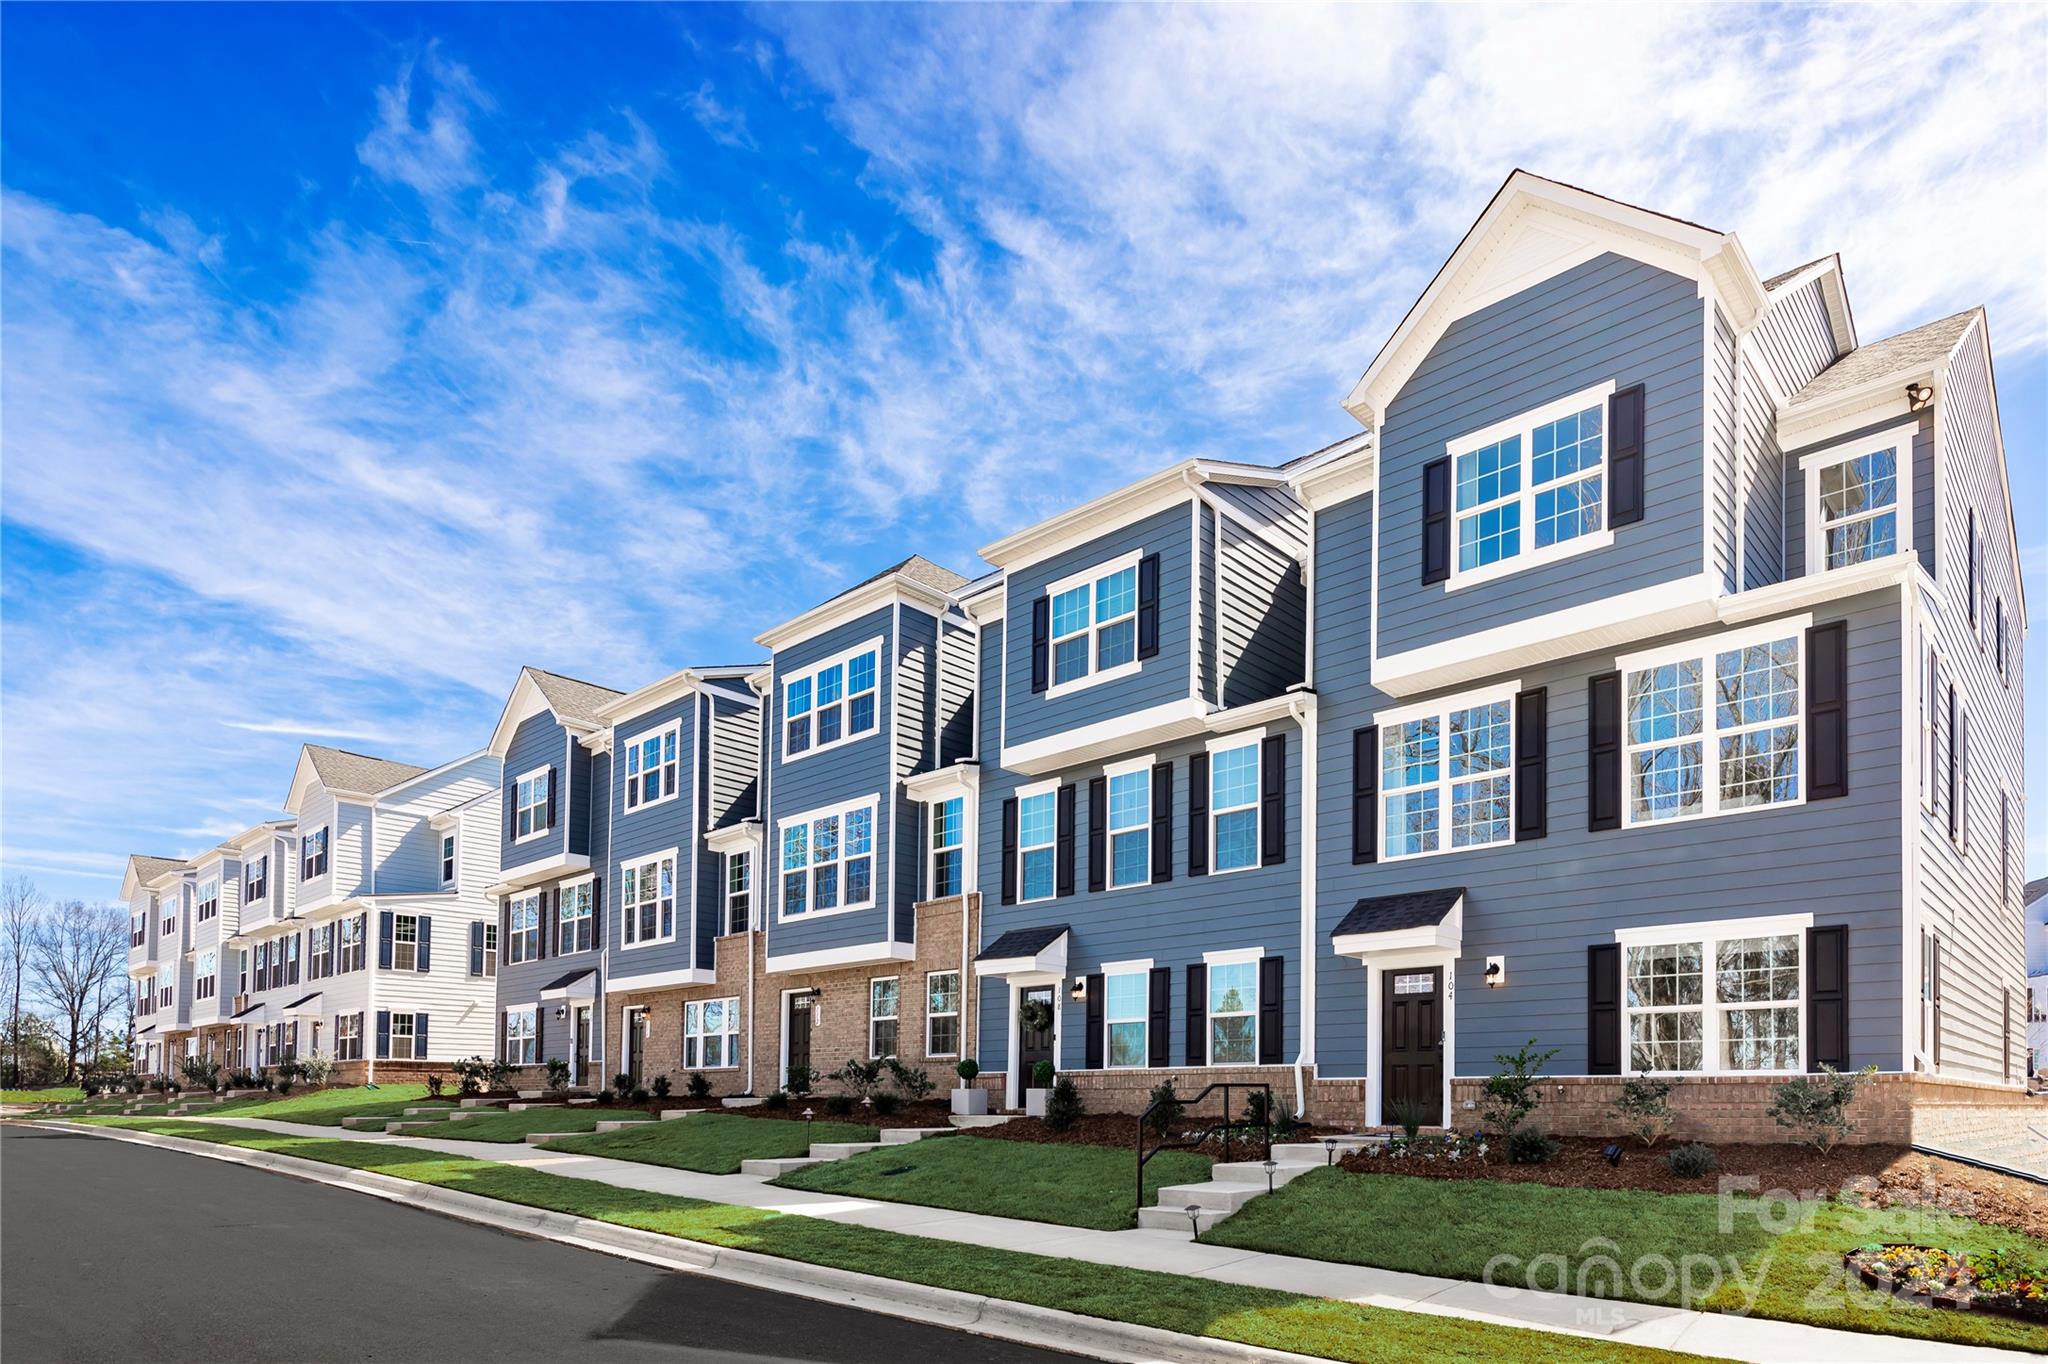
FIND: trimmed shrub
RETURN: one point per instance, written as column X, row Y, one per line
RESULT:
column 1063, row 1105
column 886, row 1104
column 839, row 1105
column 1691, row 1160
column 1644, row 1108
column 639, row 1095
column 1163, row 1108
column 1531, row 1146
column 967, row 1070
column 1041, row 1075
column 777, row 1099
column 1816, row 1107
column 910, row 1081
column 697, row 1084
column 800, row 1080
column 558, row 1073
column 434, row 1084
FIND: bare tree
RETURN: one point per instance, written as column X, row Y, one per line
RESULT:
column 20, row 906
column 76, row 950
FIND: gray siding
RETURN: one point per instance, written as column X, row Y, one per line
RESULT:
column 1161, row 678
column 1721, row 451
column 1923, row 493
column 1541, row 904
column 1261, row 612
column 1607, row 319
column 538, row 742
column 1277, row 509
column 735, row 762
column 956, row 693
column 1763, row 480
column 917, row 693
column 650, row 831
column 1792, row 340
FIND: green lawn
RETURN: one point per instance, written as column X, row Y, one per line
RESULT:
column 515, row 1126
column 1788, row 1256
column 327, row 1107
column 1075, row 1186
column 59, row 1095
column 1259, row 1317
column 713, row 1143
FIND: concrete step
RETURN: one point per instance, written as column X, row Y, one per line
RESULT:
column 982, row 1119
column 365, row 1124
column 533, row 1093
column 1254, row 1172
column 1216, row 1197
column 431, row 1108
column 476, row 1102
column 402, row 1129
column 669, row 1114
column 840, row 1150
column 1320, row 1153
column 1176, row 1219
column 536, row 1138
column 899, row 1136
column 743, row 1101
column 616, row 1124
column 779, row 1165
column 527, row 1107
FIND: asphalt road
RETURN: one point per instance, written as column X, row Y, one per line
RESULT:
column 113, row 1251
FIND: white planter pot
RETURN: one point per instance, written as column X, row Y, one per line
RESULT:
column 970, row 1103
column 1034, row 1102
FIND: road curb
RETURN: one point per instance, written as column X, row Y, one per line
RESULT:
column 1020, row 1323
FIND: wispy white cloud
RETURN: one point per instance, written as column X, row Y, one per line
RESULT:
column 314, row 729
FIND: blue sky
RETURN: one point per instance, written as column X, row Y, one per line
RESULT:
column 355, row 356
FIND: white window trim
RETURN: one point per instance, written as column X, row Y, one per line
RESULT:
column 932, row 848
column 1094, row 676
column 1524, row 425
column 1140, row 767
column 325, row 833
column 632, row 747
column 1900, row 439
column 1242, row 957
column 1142, row 968
column 845, row 701
column 959, row 1002
column 730, row 1049
column 1704, row 648
column 449, row 846
column 540, row 828
column 874, row 1018
column 733, row 858
column 1710, row 935
column 397, row 942
column 588, row 882
column 629, row 910
column 411, row 1036
column 513, row 932
column 869, row 803
column 1230, row 743
column 1387, row 720
column 1024, row 793
column 531, row 1015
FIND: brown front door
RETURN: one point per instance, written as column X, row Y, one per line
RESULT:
column 579, row 1055
column 1033, row 1044
column 1412, row 1045
column 798, row 1036
column 636, row 1043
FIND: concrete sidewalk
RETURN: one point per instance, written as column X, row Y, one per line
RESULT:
column 1671, row 1328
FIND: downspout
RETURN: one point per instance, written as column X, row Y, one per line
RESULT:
column 611, row 819
column 1302, row 706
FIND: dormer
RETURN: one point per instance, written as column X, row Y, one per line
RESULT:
column 142, row 887
column 331, row 798
column 544, row 740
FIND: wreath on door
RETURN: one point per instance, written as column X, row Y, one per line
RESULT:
column 1035, row 1015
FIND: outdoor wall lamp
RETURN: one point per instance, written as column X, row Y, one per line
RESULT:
column 1080, row 991
column 561, row 1012
column 1496, row 971
column 1917, row 396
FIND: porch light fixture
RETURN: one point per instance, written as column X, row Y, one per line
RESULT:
column 1917, row 396
column 1080, row 990
column 561, row 1012
column 1496, row 971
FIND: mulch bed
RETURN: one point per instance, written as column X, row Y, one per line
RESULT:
column 1120, row 1131
column 1875, row 1176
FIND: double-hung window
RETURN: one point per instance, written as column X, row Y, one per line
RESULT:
column 206, row 978
column 168, row 909
column 320, row 957
column 256, row 880
column 530, row 804
column 647, row 900
column 352, row 945
column 523, row 926
column 1723, row 997
column 138, row 929
column 405, row 942
column 1859, row 500
column 651, row 766
column 490, row 949
column 313, row 855
column 1447, row 774
column 578, row 933
column 739, row 890
column 1094, row 619
column 1530, row 489
column 348, row 1037
column 883, row 1003
column 448, row 859
column 209, row 900
column 1127, row 997
column 1233, row 1012
column 711, row 1034
column 1129, row 788
column 833, row 702
column 942, row 1013
column 1233, row 804
column 522, row 1046
column 1037, row 856
column 828, row 860
column 1714, row 726
column 402, row 1034
column 949, row 826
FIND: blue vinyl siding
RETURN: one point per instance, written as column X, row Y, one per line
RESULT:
column 1609, row 319
column 647, row 831
column 539, row 741
column 1923, row 491
column 1160, row 679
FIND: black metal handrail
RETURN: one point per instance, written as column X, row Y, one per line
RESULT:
column 1202, row 1135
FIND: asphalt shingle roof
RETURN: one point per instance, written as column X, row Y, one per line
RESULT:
column 147, row 868
column 571, row 698
column 917, row 568
column 341, row 770
column 1391, row 913
column 1775, row 280
column 1907, row 351
column 1022, row 942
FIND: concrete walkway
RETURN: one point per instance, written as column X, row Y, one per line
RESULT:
column 1707, row 1333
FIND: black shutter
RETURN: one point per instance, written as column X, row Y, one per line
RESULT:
column 501, row 1035
column 1603, row 752
column 548, row 899
column 1098, row 830
column 1603, row 1009
column 1198, row 1015
column 1827, row 996
column 597, row 928
column 540, row 1033
column 1064, row 842
column 1273, row 800
column 1973, row 567
column 1148, row 606
column 1272, row 996
column 1010, row 851
column 384, row 939
column 511, row 811
column 383, row 1034
column 362, row 938
column 1198, row 814
column 1827, row 710
column 426, row 940
column 1532, row 776
column 1436, row 521
column 504, row 933
column 1092, row 1045
column 1162, row 821
column 551, row 797
column 1041, row 643
column 1156, row 1040
column 1952, row 745
column 476, row 948
column 1365, row 794
column 1625, row 457
column 419, row 1037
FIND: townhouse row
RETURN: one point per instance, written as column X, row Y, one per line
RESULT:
column 1643, row 678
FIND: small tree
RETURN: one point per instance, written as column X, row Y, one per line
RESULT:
column 1041, row 1075
column 967, row 1070
column 200, row 1073
column 558, row 1073
column 1510, row 1095
column 800, row 1080
column 1063, row 1105
column 1644, row 1108
column 911, row 1081
column 1816, row 1107
column 861, row 1078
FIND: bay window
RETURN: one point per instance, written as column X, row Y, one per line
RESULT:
column 1447, row 774
column 1726, row 997
column 1714, row 726
column 647, row 900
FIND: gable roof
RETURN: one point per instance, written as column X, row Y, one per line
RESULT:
column 1922, row 347
column 917, row 577
column 143, row 869
column 577, row 704
column 340, row 770
column 918, row 569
